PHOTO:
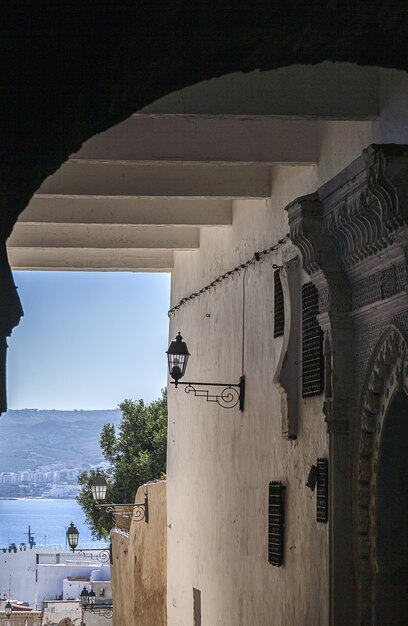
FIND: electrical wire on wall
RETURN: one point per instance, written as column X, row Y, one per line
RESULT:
column 256, row 258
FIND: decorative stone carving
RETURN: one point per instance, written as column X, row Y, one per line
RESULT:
column 380, row 285
column 339, row 231
column 363, row 216
column 386, row 374
column 319, row 260
column 342, row 231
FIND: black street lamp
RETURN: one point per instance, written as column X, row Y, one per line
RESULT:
column 134, row 511
column 84, row 597
column 99, row 486
column 72, row 536
column 230, row 395
column 92, row 598
column 8, row 609
column 88, row 604
column 73, row 539
column 177, row 357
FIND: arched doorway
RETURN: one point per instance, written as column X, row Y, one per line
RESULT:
column 382, row 493
column 391, row 520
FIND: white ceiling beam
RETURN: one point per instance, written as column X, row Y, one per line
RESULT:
column 92, row 260
column 112, row 179
column 227, row 139
column 101, row 210
column 96, row 236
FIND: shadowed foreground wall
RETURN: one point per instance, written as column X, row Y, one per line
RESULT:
column 138, row 571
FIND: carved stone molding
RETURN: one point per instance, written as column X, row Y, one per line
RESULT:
column 307, row 231
column 341, row 231
column 380, row 285
column 387, row 374
column 364, row 205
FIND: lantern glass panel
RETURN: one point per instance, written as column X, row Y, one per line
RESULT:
column 84, row 596
column 177, row 356
column 72, row 536
column 98, row 488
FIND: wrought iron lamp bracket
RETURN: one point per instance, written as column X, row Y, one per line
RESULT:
column 136, row 512
column 104, row 555
column 230, row 396
column 100, row 610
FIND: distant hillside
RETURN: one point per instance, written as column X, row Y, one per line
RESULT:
column 30, row 437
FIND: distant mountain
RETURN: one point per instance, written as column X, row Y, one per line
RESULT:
column 33, row 437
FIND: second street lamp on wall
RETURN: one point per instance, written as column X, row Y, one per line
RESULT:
column 229, row 396
column 104, row 555
column 136, row 512
column 99, row 486
column 84, row 597
column 72, row 536
column 88, row 604
column 92, row 598
column 8, row 609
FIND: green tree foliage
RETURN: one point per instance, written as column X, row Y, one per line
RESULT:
column 136, row 453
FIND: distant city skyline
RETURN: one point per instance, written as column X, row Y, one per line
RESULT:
column 88, row 340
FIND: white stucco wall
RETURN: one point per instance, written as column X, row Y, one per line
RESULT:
column 50, row 581
column 21, row 567
column 221, row 461
column 54, row 612
column 29, row 580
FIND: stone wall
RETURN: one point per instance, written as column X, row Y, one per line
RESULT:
column 220, row 461
column 21, row 619
column 139, row 567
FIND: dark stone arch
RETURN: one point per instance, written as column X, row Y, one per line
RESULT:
column 73, row 69
column 386, row 380
column 391, row 517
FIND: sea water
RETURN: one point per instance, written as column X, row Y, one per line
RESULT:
column 48, row 520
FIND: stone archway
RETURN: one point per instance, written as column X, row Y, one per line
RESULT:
column 391, row 517
column 385, row 388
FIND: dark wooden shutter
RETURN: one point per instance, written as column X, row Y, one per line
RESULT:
column 322, row 501
column 312, row 343
column 276, row 523
column 279, row 306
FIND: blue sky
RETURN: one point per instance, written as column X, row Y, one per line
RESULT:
column 88, row 340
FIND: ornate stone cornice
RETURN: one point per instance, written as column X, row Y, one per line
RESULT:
column 306, row 227
column 363, row 207
column 305, row 217
column 307, row 232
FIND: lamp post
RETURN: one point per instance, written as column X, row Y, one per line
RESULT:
column 92, row 598
column 88, row 604
column 135, row 511
column 73, row 539
column 84, row 597
column 230, row 395
column 8, row 609
column 72, row 536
